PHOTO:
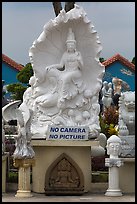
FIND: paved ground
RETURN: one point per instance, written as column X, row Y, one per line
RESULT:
column 87, row 197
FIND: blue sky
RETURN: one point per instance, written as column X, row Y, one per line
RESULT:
column 22, row 23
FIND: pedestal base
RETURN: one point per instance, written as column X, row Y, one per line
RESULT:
column 46, row 152
column 113, row 192
column 23, row 194
column 24, row 189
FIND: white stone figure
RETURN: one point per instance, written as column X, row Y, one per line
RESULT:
column 67, row 74
column 127, row 111
column 104, row 94
column 104, row 88
column 31, row 92
column 114, row 146
column 107, row 94
column 110, row 90
column 126, row 123
column 122, row 127
column 69, row 71
column 23, row 116
column 114, row 162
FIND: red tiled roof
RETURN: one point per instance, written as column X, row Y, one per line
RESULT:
column 118, row 57
column 11, row 62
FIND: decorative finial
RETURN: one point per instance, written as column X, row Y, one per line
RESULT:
column 71, row 37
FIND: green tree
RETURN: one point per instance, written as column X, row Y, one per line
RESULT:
column 24, row 75
column 101, row 59
column 17, row 89
column 133, row 60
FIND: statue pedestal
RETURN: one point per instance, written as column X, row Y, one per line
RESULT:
column 24, row 189
column 47, row 152
column 113, row 189
column 127, row 175
column 113, row 185
column 4, row 165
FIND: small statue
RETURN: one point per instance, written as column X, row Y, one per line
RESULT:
column 69, row 70
column 114, row 146
column 107, row 94
column 113, row 162
column 127, row 111
column 23, row 116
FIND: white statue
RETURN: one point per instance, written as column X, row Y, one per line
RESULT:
column 114, row 146
column 67, row 75
column 23, row 116
column 113, row 162
column 69, row 72
column 127, row 112
column 107, row 94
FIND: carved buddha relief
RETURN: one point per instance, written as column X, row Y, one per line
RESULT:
column 64, row 176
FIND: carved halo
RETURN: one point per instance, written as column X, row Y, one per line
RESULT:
column 51, row 44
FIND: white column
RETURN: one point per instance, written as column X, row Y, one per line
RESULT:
column 113, row 189
column 113, row 185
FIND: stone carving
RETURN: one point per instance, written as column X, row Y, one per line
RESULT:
column 68, row 72
column 64, row 177
column 126, row 123
column 23, row 116
column 67, row 75
column 113, row 162
column 127, row 112
column 107, row 94
column 114, row 146
column 128, row 146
